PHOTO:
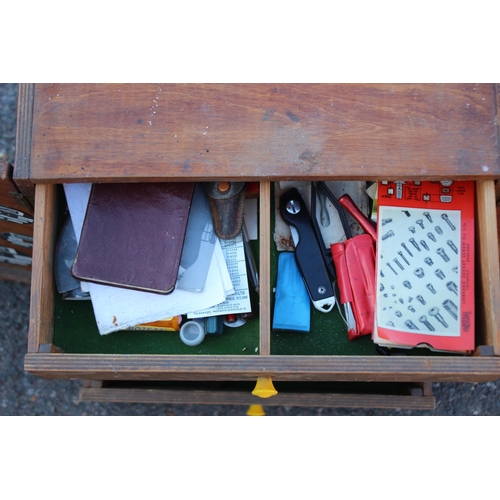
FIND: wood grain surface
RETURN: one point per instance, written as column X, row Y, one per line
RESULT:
column 153, row 132
column 265, row 269
column 165, row 396
column 42, row 298
column 487, row 264
column 285, row 368
column 24, row 129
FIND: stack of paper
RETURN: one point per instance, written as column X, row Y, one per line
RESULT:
column 119, row 308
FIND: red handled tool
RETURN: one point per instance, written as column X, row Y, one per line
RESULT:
column 366, row 224
column 355, row 264
column 354, row 261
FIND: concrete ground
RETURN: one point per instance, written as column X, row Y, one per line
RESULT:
column 24, row 394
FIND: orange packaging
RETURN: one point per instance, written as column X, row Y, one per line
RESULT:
column 425, row 265
column 168, row 325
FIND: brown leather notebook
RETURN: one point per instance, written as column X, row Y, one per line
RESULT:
column 133, row 234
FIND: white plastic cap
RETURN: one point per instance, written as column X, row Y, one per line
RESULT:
column 192, row 333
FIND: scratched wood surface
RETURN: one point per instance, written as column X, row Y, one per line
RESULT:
column 24, row 128
column 154, row 132
column 41, row 328
column 279, row 368
column 265, row 269
column 11, row 198
column 190, row 396
column 487, row 266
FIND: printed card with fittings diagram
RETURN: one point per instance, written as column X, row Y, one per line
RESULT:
column 425, row 265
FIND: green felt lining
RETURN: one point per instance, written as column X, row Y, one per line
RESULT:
column 76, row 332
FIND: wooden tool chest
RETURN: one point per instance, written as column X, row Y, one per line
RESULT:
column 179, row 132
column 16, row 229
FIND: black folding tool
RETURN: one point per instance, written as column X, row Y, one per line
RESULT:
column 308, row 253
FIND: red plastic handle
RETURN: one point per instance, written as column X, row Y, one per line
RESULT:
column 349, row 205
column 338, row 255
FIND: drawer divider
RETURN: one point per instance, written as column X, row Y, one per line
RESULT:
column 265, row 269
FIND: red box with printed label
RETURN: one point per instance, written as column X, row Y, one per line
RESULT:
column 425, row 265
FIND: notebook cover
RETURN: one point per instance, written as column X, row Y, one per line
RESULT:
column 133, row 234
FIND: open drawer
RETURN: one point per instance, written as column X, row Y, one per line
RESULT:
column 154, row 133
column 45, row 358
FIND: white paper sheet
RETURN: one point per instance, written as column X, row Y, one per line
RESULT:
column 118, row 308
column 239, row 301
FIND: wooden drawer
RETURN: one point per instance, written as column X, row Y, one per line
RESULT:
column 385, row 395
column 44, row 360
column 263, row 133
